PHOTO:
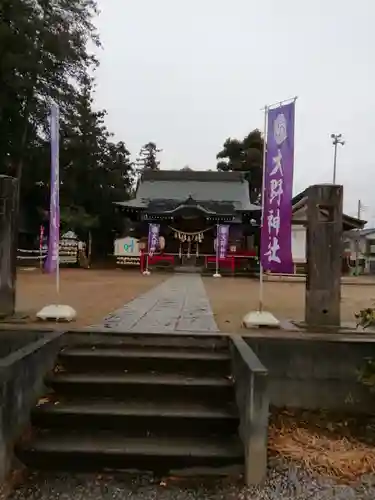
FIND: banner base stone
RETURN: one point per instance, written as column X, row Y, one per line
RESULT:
column 217, row 275
column 260, row 318
column 57, row 312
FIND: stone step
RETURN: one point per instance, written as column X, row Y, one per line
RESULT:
column 138, row 417
column 145, row 359
column 145, row 352
column 109, row 338
column 85, row 451
column 141, row 386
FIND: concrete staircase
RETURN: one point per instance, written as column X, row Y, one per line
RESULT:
column 162, row 403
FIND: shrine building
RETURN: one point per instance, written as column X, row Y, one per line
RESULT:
column 189, row 205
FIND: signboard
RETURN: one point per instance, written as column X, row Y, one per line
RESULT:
column 128, row 261
column 68, row 257
column 127, row 247
column 68, row 250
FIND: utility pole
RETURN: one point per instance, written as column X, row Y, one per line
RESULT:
column 357, row 240
column 336, row 139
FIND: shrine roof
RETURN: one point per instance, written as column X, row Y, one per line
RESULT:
column 210, row 207
column 218, row 192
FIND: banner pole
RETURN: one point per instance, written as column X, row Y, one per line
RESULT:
column 280, row 103
column 261, row 273
column 151, row 247
column 272, row 147
column 217, row 248
column 217, row 273
column 55, row 311
column 58, row 273
column 56, row 159
column 41, row 232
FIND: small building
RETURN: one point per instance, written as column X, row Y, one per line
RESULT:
column 189, row 205
column 299, row 232
column 359, row 246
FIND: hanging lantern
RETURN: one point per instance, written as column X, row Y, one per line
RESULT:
column 161, row 242
column 233, row 248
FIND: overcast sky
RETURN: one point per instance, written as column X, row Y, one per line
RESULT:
column 189, row 74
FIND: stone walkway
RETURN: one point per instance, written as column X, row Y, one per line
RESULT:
column 179, row 304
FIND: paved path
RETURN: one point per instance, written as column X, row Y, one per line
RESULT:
column 179, row 304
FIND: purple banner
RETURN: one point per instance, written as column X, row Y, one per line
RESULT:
column 276, row 244
column 222, row 240
column 153, row 238
column 54, row 210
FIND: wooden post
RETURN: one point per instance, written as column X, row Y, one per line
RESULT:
column 8, row 250
column 323, row 255
column 89, row 250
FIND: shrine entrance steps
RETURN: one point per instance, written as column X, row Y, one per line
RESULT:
column 161, row 403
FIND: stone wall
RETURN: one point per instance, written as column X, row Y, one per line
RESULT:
column 252, row 398
column 13, row 340
column 22, row 370
column 316, row 374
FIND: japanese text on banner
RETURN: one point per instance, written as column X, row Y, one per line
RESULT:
column 223, row 237
column 276, row 251
column 153, row 238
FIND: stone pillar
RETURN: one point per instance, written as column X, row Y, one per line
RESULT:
column 8, row 250
column 323, row 255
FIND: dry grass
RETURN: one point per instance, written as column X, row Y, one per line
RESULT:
column 232, row 298
column 93, row 293
column 320, row 449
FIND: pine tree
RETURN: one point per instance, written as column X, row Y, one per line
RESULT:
column 147, row 158
column 95, row 171
column 44, row 57
column 244, row 156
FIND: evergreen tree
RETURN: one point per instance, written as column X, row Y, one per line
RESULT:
column 95, row 171
column 244, row 156
column 44, row 58
column 147, row 158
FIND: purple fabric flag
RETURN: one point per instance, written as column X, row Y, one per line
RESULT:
column 276, row 245
column 222, row 239
column 54, row 210
column 153, row 238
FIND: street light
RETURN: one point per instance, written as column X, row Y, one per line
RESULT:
column 336, row 139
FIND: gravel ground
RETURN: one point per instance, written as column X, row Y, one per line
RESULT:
column 284, row 483
column 286, row 300
column 93, row 293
